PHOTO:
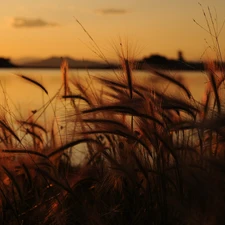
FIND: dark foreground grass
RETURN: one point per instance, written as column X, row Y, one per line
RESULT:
column 152, row 157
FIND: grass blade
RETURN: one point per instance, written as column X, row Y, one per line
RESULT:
column 2, row 124
column 76, row 97
column 174, row 81
column 34, row 82
column 71, row 144
column 32, row 124
column 32, row 152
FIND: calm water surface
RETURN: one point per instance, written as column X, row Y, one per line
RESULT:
column 25, row 95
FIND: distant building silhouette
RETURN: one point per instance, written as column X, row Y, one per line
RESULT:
column 180, row 56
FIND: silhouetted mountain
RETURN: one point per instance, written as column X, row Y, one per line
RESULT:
column 25, row 60
column 5, row 63
column 55, row 62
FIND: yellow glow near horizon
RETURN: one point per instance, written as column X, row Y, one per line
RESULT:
column 44, row 29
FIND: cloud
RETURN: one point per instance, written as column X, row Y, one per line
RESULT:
column 20, row 22
column 111, row 11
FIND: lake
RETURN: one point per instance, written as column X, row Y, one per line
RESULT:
column 28, row 97
column 19, row 97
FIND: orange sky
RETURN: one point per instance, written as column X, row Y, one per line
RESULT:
column 40, row 29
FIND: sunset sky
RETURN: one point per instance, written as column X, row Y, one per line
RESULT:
column 46, row 28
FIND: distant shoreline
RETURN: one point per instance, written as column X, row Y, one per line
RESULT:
column 94, row 68
column 152, row 62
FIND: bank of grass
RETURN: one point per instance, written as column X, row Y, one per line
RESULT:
column 152, row 157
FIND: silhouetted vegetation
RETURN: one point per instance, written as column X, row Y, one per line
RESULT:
column 5, row 63
column 161, row 62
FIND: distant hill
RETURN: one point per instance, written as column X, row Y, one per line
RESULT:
column 5, row 63
column 25, row 60
column 55, row 62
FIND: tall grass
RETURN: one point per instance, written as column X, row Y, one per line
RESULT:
column 166, row 167
column 152, row 157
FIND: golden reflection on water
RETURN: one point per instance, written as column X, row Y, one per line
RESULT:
column 25, row 96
